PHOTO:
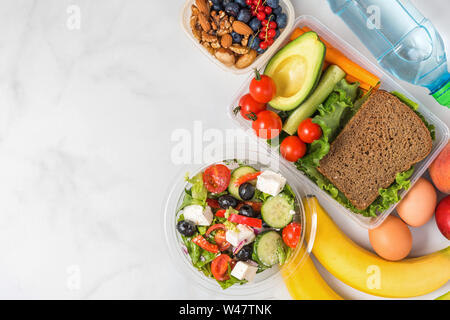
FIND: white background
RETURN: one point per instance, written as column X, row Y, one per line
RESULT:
column 85, row 123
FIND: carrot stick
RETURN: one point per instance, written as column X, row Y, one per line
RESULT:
column 296, row 33
column 352, row 79
column 333, row 56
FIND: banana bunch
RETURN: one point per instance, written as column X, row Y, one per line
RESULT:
column 359, row 268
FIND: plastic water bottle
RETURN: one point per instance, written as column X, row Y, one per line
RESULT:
column 403, row 41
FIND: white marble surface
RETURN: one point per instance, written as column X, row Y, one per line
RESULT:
column 85, row 122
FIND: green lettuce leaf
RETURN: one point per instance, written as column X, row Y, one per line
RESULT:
column 331, row 112
column 334, row 113
column 198, row 189
column 415, row 106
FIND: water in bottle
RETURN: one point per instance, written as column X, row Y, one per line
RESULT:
column 405, row 43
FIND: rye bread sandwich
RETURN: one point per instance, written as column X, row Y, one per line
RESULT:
column 383, row 138
column 368, row 148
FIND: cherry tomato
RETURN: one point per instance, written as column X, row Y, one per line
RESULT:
column 221, row 240
column 219, row 267
column 249, row 108
column 267, row 125
column 309, row 131
column 262, row 88
column 216, row 178
column 291, row 234
column 292, row 148
column 204, row 244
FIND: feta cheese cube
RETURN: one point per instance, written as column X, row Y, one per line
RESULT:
column 243, row 270
column 245, row 233
column 198, row 215
column 270, row 182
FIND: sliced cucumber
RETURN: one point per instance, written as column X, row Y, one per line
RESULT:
column 329, row 79
column 277, row 211
column 266, row 247
column 236, row 174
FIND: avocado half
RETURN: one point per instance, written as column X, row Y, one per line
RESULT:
column 296, row 70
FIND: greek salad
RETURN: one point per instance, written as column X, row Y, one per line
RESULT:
column 235, row 223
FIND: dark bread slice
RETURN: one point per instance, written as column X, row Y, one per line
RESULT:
column 383, row 138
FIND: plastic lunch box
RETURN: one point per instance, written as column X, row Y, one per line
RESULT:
column 265, row 284
column 387, row 83
column 261, row 59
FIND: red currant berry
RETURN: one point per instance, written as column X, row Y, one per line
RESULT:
column 264, row 22
column 261, row 16
column 263, row 45
column 256, row 2
column 272, row 25
column 270, row 42
column 249, row 2
column 268, row 10
column 262, row 35
column 271, row 33
column 261, row 9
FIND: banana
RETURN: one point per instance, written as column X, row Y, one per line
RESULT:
column 304, row 282
column 444, row 296
column 365, row 271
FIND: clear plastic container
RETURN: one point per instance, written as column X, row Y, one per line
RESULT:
column 261, row 59
column 264, row 286
column 387, row 83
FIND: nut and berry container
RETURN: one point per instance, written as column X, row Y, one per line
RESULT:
column 213, row 45
column 267, row 283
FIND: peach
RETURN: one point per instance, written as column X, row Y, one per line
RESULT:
column 440, row 170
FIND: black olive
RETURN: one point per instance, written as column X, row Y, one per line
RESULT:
column 227, row 201
column 186, row 228
column 246, row 191
column 245, row 253
column 247, row 210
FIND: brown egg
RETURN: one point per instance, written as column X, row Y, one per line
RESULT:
column 418, row 206
column 392, row 240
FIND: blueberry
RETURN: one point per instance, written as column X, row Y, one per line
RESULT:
column 277, row 10
column 244, row 15
column 253, row 42
column 237, row 38
column 277, row 34
column 232, row 9
column 226, row 2
column 273, row 3
column 242, row 3
column 260, row 51
column 217, row 7
column 282, row 20
column 255, row 24
column 217, row 2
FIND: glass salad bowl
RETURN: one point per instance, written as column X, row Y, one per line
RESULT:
column 264, row 283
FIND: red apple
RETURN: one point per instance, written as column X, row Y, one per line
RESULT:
column 443, row 216
column 440, row 170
